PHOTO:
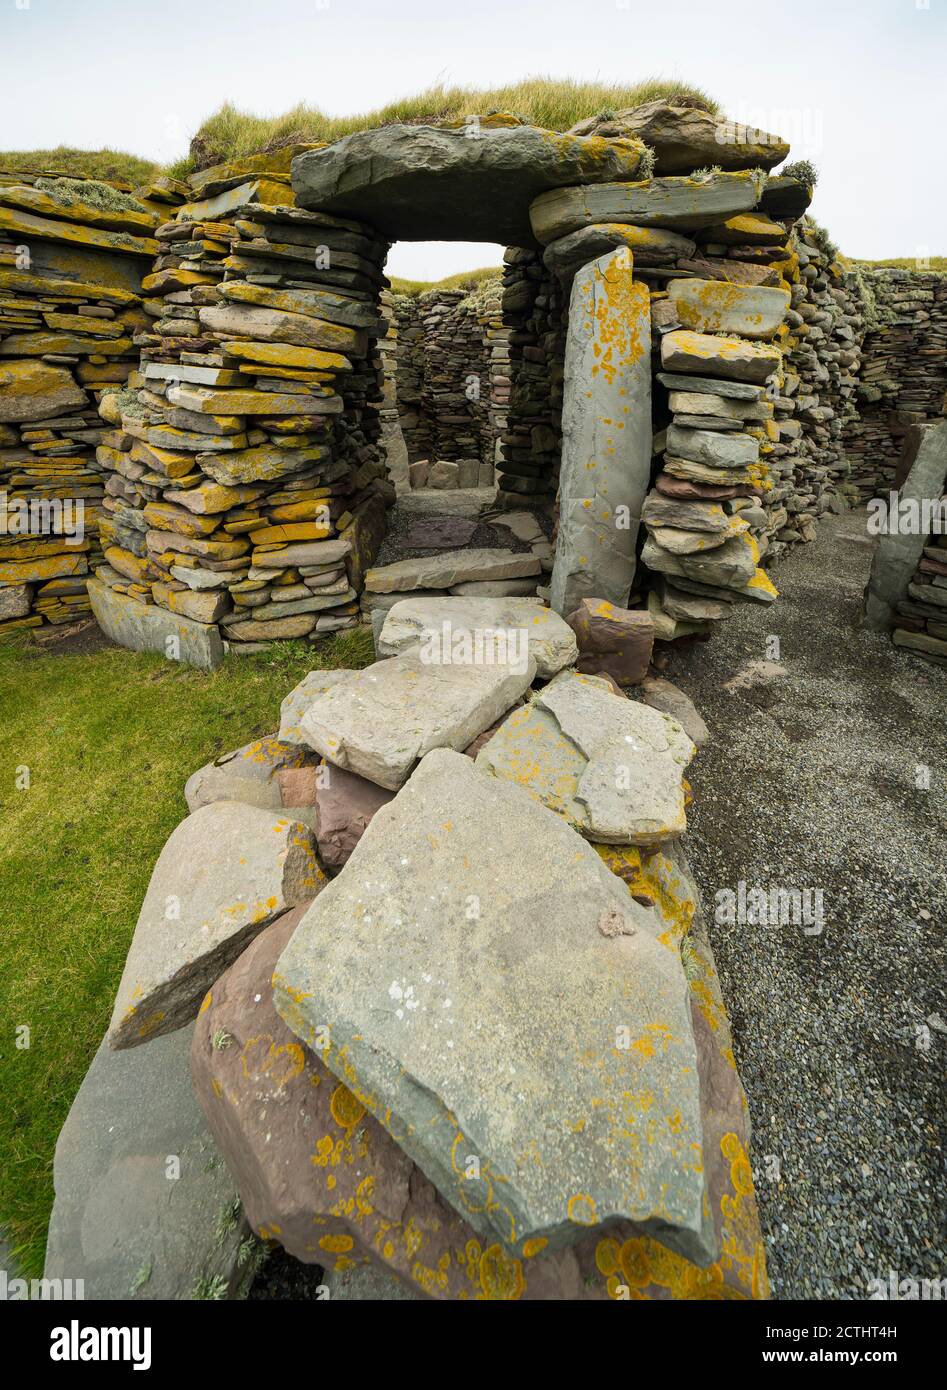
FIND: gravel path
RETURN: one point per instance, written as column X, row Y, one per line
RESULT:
column 810, row 781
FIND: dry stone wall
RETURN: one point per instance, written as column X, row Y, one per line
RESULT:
column 903, row 376
column 72, row 256
column 246, row 480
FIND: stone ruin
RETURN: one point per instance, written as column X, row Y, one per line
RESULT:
column 278, row 399
column 381, row 912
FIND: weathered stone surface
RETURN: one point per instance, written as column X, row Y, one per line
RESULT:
column 386, row 717
column 701, row 353
column 226, row 871
column 468, row 1063
column 685, row 138
column 610, row 766
column 344, row 806
column 449, row 568
column 148, row 628
column 714, row 386
column 710, row 306
column 612, row 641
column 679, row 204
column 301, row 697
column 696, row 516
column 507, row 627
column 422, row 182
column 733, row 565
column 14, row 602
column 440, row 533
column 121, row 1222
column 248, row 775
column 666, row 696
column 340, row 1193
column 606, row 435
column 923, row 470
column 646, row 245
column 35, row 390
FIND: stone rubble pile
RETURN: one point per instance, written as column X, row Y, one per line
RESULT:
column 73, row 253
column 476, row 1133
column 247, row 487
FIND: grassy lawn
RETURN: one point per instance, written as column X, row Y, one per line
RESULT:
column 109, row 738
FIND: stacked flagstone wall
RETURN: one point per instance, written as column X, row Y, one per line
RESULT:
column 534, row 308
column 72, row 256
column 247, row 483
column 903, row 376
column 446, row 360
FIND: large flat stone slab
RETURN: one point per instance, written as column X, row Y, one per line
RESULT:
column 705, row 354
column 299, row 699
column 318, row 1170
column 610, row 766
column 503, row 1082
column 144, row 627
column 145, row 1207
column 36, row 390
column 449, row 568
column 923, row 466
column 386, row 717
column 711, row 306
column 606, row 435
column 509, row 628
column 414, row 183
column 646, row 246
column 676, row 203
column 225, row 872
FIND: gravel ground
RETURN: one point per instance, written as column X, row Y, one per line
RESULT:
column 810, row 781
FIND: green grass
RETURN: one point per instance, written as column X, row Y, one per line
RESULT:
column 556, row 103
column 92, row 164
column 109, row 738
column 938, row 263
column 461, row 280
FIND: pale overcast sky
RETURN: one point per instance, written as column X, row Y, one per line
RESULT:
column 857, row 85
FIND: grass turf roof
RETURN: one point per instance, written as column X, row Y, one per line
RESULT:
column 93, row 164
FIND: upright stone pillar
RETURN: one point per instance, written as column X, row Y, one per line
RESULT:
column 922, row 473
column 606, row 434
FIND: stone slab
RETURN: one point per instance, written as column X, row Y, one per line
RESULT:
column 508, row 627
column 144, row 627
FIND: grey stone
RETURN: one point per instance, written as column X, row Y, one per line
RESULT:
column 299, row 699
column 450, row 567
column 730, row 566
column 225, row 872
column 524, row 623
column 144, row 627
column 923, row 465
column 368, row 1284
column 685, row 138
column 606, row 435
column 684, row 351
column 664, row 695
column 648, row 246
column 612, row 767
column 496, row 588
column 474, row 184
column 386, row 717
column 733, row 390
column 248, row 775
column 125, row 1221
column 679, row 204
column 715, row 450
column 711, row 306
column 485, row 1062
column 14, row 602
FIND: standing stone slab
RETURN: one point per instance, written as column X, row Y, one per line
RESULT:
column 454, row 1015
column 386, row 717
column 523, row 622
column 144, row 627
column 923, row 466
column 606, row 435
column 226, row 872
column 121, row 1221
